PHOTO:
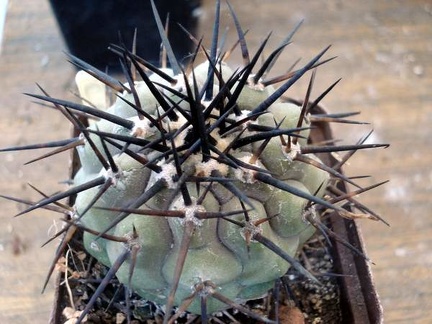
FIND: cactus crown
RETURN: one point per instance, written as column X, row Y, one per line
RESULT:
column 198, row 187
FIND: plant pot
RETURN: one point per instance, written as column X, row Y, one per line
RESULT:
column 358, row 299
column 90, row 26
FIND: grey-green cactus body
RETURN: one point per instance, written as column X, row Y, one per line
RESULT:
column 220, row 251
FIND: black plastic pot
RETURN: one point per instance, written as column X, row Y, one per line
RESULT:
column 90, row 26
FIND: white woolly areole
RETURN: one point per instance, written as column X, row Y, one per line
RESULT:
column 309, row 212
column 142, row 127
column 116, row 178
column 204, row 287
column 222, row 142
column 204, row 169
column 73, row 214
column 190, row 210
column 258, row 86
column 295, row 150
column 249, row 230
column 167, row 174
column 174, row 126
column 243, row 174
column 132, row 241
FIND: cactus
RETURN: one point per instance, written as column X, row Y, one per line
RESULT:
column 197, row 189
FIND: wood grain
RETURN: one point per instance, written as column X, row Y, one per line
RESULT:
column 384, row 51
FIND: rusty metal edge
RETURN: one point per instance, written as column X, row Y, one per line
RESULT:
column 360, row 302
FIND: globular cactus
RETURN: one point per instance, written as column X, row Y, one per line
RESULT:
column 198, row 188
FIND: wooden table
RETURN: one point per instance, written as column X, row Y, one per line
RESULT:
column 384, row 51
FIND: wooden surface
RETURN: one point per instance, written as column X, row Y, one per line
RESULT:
column 384, row 51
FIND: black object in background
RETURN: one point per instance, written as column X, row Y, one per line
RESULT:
column 90, row 26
